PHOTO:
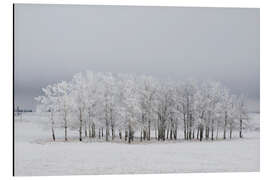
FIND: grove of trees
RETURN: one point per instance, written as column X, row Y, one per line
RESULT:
column 109, row 106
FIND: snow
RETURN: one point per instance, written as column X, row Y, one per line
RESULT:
column 35, row 154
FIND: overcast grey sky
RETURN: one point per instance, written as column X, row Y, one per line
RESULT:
column 53, row 42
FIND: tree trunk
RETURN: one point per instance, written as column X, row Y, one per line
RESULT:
column 201, row 132
column 225, row 126
column 162, row 128
column 89, row 130
column 85, row 128
column 155, row 133
column 106, row 124
column 190, row 127
column 163, row 132
column 207, row 132
column 129, row 134
column 93, row 130
column 159, row 126
column 112, row 132
column 112, row 123
column 126, row 135
column 120, row 134
column 217, row 133
column 107, row 133
column 175, row 133
column 212, row 130
column 144, row 134
column 89, row 123
column 171, row 129
column 65, row 125
column 141, row 135
column 185, row 133
column 80, row 130
column 241, row 128
column 107, row 130
column 149, row 130
column 198, row 132
column 231, row 130
column 52, row 121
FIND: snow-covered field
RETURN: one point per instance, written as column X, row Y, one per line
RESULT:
column 35, row 154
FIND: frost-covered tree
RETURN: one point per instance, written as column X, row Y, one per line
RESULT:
column 62, row 91
column 92, row 99
column 164, row 110
column 186, row 93
column 130, row 105
column 109, row 103
column 78, row 96
column 225, row 106
column 48, row 102
column 123, row 104
column 147, row 95
column 241, row 113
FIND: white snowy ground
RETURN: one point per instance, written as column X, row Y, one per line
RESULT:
column 36, row 155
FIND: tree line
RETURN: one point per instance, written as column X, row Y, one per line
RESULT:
column 119, row 105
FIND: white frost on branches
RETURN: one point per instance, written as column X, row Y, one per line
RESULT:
column 124, row 103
